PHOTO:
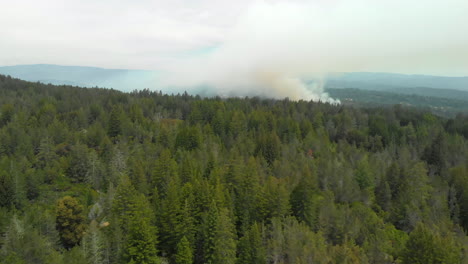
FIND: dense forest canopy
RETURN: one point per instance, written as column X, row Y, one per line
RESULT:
column 101, row 176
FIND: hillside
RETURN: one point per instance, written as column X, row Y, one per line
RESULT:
column 102, row 176
column 391, row 81
column 120, row 79
column 129, row 80
column 445, row 103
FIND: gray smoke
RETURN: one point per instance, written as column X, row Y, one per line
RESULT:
column 276, row 48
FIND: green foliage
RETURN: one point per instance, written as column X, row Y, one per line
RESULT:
column 93, row 243
column 114, row 128
column 459, row 177
column 250, row 247
column 140, row 246
column 79, row 164
column 184, row 253
column 268, row 146
column 7, row 192
column 134, row 222
column 188, row 138
column 224, row 240
column 181, row 179
column 426, row 247
column 25, row 244
column 70, row 221
column 6, row 114
column 305, row 199
column 363, row 174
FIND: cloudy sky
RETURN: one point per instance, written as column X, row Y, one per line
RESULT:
column 139, row 34
column 144, row 34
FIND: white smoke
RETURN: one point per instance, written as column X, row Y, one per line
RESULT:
column 276, row 47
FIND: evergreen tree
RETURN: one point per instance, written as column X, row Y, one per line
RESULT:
column 123, row 203
column 79, row 163
column 93, row 244
column 269, row 146
column 140, row 245
column 206, row 238
column 224, row 251
column 425, row 247
column 171, row 218
column 188, row 138
column 251, row 249
column 70, row 221
column 363, row 174
column 115, row 123
column 7, row 190
column 304, row 199
column 184, row 253
column 6, row 114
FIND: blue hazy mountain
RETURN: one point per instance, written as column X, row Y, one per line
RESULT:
column 392, row 81
column 120, row 79
column 128, row 80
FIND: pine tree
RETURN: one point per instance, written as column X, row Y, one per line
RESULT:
column 170, row 218
column 224, row 251
column 135, row 222
column 426, row 247
column 383, row 195
column 93, row 244
column 184, row 253
column 122, row 205
column 141, row 241
column 164, row 171
column 7, row 190
column 79, row 163
column 363, row 174
column 269, row 146
column 6, row 114
column 115, row 123
column 251, row 248
column 247, row 189
column 206, row 237
column 188, row 138
column 304, row 199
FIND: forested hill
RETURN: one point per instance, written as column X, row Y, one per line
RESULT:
column 121, row 79
column 442, row 102
column 101, row 176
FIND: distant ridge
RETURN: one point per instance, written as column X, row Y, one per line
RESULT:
column 120, row 79
column 389, row 81
column 128, row 80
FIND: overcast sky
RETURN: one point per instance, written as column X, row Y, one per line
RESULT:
column 299, row 37
column 112, row 33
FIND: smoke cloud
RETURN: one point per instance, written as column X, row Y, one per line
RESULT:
column 276, row 48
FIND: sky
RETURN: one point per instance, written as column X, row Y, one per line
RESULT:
column 272, row 45
column 131, row 34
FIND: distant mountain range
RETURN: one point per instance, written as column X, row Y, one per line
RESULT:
column 124, row 79
column 120, row 79
column 393, row 81
column 128, row 80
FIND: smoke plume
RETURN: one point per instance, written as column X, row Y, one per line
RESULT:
column 277, row 48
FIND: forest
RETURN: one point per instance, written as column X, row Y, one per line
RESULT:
column 442, row 102
column 90, row 175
